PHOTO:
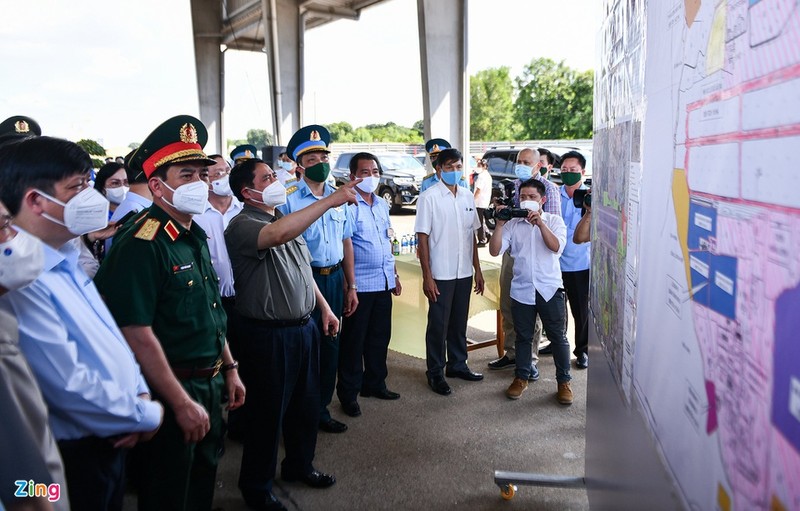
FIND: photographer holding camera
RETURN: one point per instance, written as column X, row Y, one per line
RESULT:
column 536, row 243
column 575, row 260
column 583, row 230
column 528, row 166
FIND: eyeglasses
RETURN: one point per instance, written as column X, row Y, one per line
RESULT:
column 116, row 183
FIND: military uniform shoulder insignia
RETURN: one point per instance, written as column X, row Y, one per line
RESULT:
column 148, row 230
column 291, row 190
column 429, row 175
column 289, row 181
column 172, row 230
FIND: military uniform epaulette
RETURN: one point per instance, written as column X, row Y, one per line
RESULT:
column 148, row 230
column 429, row 176
column 289, row 182
column 291, row 190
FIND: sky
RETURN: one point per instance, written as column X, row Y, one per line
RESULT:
column 113, row 70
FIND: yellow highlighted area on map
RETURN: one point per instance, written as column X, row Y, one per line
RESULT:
column 715, row 54
column 723, row 499
column 680, row 199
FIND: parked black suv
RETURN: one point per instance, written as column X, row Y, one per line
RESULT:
column 400, row 180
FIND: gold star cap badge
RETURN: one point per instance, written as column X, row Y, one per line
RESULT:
column 188, row 133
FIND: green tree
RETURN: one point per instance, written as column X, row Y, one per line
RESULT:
column 419, row 127
column 259, row 138
column 582, row 105
column 92, row 147
column 491, row 104
column 95, row 150
column 554, row 101
column 340, row 131
column 389, row 132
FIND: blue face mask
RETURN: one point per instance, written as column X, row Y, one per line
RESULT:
column 285, row 165
column 451, row 178
column 523, row 172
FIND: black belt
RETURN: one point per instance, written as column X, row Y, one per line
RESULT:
column 326, row 270
column 230, row 300
column 187, row 373
column 280, row 323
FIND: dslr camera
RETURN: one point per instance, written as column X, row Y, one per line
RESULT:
column 582, row 199
column 506, row 214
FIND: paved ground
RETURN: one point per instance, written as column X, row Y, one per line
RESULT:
column 430, row 452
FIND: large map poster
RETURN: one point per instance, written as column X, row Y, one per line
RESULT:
column 716, row 363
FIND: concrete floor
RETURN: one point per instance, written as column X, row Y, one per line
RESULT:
column 427, row 451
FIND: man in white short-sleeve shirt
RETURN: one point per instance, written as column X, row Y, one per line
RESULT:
column 536, row 243
column 448, row 253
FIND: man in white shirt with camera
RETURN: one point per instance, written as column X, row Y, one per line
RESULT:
column 536, row 243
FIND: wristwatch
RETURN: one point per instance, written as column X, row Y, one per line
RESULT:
column 353, row 287
column 229, row 367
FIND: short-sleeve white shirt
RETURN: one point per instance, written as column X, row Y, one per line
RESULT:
column 450, row 222
column 536, row 267
column 483, row 182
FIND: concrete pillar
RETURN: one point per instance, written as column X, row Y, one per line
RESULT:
column 207, row 28
column 285, row 50
column 445, row 82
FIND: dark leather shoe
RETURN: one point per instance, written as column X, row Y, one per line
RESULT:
column 332, row 426
column 466, row 374
column 352, row 409
column 583, row 361
column 314, row 479
column 439, row 385
column 266, row 502
column 381, row 394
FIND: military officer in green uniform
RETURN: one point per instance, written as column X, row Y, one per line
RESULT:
column 160, row 286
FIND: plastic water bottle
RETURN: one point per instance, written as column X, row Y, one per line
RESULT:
column 404, row 247
column 395, row 247
column 412, row 244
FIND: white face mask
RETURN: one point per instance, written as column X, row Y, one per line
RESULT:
column 273, row 195
column 116, row 195
column 190, row 198
column 530, row 205
column 369, row 184
column 222, row 186
column 84, row 213
column 21, row 261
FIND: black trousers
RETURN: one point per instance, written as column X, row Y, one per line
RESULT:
column 364, row 345
column 280, row 369
column 576, row 284
column 332, row 288
column 95, row 473
column 235, row 417
column 481, row 231
column 447, row 327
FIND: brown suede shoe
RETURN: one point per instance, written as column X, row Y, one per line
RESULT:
column 516, row 389
column 564, row 395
